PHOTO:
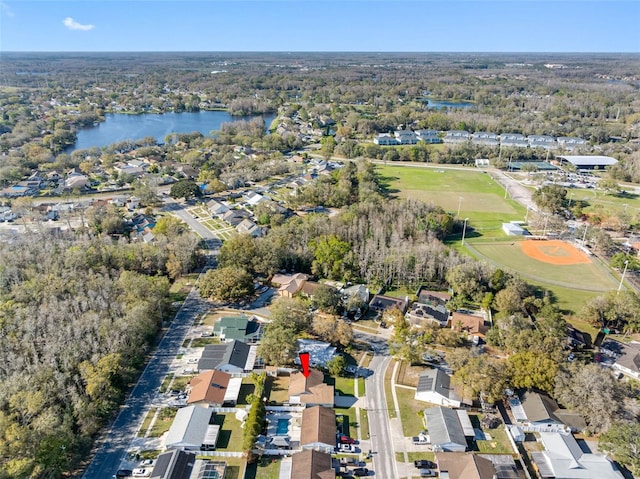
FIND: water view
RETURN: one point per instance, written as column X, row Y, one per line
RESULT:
column 119, row 127
column 440, row 104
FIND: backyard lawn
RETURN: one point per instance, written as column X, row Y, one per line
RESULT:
column 230, row 436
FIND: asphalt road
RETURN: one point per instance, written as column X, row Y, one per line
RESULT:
column 383, row 453
column 112, row 448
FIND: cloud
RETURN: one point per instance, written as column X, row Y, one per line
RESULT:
column 6, row 9
column 71, row 24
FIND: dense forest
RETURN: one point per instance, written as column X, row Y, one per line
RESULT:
column 77, row 317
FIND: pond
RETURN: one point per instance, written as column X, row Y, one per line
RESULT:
column 119, row 126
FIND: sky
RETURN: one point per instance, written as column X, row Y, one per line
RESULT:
column 321, row 25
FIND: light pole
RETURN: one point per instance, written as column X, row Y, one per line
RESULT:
column 624, row 271
column 570, row 198
column 526, row 216
column 584, row 236
column 464, row 229
column 459, row 204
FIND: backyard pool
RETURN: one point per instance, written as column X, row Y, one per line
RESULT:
column 283, row 427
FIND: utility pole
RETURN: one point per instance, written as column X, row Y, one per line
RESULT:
column 464, row 229
column 624, row 271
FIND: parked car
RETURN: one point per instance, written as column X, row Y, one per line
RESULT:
column 427, row 473
column 147, row 462
column 360, row 471
column 424, row 463
column 346, row 448
column 421, row 439
column 342, row 439
column 141, row 472
column 120, row 473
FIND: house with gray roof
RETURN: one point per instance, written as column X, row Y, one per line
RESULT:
column 429, row 136
column 570, row 142
column 444, row 429
column 385, row 139
column 421, row 314
column 175, row 464
column 457, row 136
column 627, row 357
column 191, row 430
column 542, row 141
column 484, row 138
column 515, row 140
column 562, row 458
column 541, row 410
column 434, row 386
column 233, row 357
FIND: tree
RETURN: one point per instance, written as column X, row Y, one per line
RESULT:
column 329, row 252
column 336, row 365
column 596, row 394
column 550, row 198
column 327, row 299
column 622, row 440
column 185, row 189
column 229, row 283
column 482, row 375
column 528, row 369
column 289, row 318
column 332, row 329
column 608, row 185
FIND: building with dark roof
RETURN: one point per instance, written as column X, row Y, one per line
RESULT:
column 380, row 303
column 174, row 464
column 233, row 357
column 434, row 386
column 421, row 314
column 229, row 328
column 540, row 409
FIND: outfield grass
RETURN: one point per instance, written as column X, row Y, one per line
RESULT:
column 474, row 192
column 583, row 276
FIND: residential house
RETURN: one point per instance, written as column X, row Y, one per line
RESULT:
column 538, row 411
column 385, row 139
column 191, row 430
column 318, row 429
column 75, row 181
column 247, row 226
column 455, row 465
column 309, row 288
column 406, row 137
column 253, row 198
column 484, row 138
column 570, row 142
column 457, row 136
column 542, row 141
column 434, row 386
column 311, row 390
column 563, row 458
column 471, row 324
column 241, row 328
column 233, row 357
column 311, row 464
column 214, row 388
column 427, row 296
column 289, row 285
column 216, row 208
column 133, row 203
column 422, row 314
column 174, row 464
column 445, row 430
column 187, row 171
column 359, row 290
column 429, row 136
column 235, row 217
column 515, row 140
column 381, row 303
column 627, row 359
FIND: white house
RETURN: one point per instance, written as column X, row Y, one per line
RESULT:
column 562, row 458
column 444, row 429
column 434, row 386
column 190, row 430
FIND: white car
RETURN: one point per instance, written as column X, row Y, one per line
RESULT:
column 141, row 472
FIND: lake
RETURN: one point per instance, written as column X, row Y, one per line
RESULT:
column 440, row 104
column 119, row 127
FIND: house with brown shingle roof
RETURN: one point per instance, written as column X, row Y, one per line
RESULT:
column 471, row 324
column 310, row 464
column 289, row 284
column 209, row 387
column 318, row 429
column 310, row 391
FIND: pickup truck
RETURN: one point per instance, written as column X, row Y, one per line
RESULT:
column 422, row 439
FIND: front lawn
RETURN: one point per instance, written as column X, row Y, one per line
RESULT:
column 410, row 411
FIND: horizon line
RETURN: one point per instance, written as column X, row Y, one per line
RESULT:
column 289, row 52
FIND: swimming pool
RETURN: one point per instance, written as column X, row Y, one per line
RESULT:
column 283, row 427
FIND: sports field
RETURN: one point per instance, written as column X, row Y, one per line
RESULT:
column 549, row 263
column 477, row 195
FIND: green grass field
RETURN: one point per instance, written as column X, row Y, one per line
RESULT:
column 584, row 276
column 477, row 195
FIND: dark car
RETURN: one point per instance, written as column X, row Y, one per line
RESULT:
column 360, row 471
column 424, row 464
column 123, row 473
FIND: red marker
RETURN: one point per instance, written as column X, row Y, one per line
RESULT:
column 304, row 361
